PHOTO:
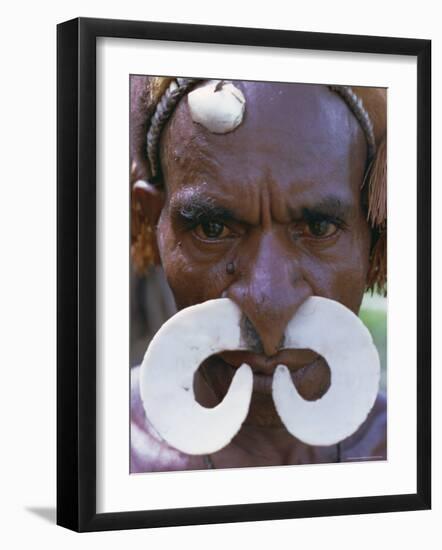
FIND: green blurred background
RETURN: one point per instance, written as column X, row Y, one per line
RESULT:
column 373, row 313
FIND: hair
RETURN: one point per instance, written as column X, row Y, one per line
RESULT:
column 369, row 106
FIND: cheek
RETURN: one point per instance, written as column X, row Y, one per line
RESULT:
column 191, row 281
column 343, row 275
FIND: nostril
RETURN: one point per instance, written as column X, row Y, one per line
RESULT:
column 250, row 336
column 255, row 342
column 266, row 315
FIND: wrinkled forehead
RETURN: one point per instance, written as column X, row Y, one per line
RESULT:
column 283, row 122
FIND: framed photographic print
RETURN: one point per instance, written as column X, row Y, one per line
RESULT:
column 236, row 341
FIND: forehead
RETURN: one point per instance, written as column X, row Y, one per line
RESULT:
column 291, row 134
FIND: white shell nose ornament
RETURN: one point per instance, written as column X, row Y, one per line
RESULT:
column 195, row 333
column 336, row 333
column 166, row 378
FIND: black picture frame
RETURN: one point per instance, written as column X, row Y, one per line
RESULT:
column 76, row 273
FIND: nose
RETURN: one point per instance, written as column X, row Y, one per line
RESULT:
column 269, row 289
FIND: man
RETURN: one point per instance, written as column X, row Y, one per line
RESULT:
column 287, row 203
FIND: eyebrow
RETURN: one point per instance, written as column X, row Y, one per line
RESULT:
column 195, row 208
column 331, row 207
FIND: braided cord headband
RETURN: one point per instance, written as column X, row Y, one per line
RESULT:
column 169, row 100
column 180, row 86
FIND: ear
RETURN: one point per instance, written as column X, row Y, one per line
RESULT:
column 147, row 201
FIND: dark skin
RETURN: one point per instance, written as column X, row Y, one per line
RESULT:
column 266, row 215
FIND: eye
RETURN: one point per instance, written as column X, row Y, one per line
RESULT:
column 315, row 229
column 320, row 228
column 212, row 230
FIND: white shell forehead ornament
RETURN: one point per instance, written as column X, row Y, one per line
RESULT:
column 197, row 332
column 219, row 106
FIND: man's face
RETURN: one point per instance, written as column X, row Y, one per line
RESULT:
column 268, row 214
